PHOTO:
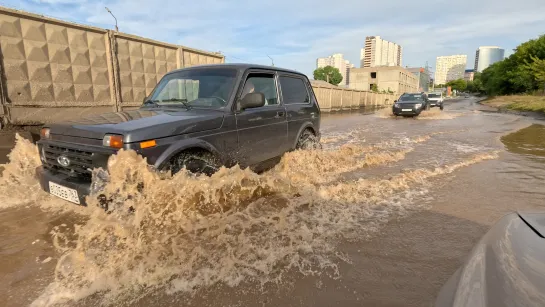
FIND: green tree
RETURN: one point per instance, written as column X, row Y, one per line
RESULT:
column 458, row 84
column 537, row 68
column 374, row 88
column 329, row 74
column 522, row 72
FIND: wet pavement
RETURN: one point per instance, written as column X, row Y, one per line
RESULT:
column 381, row 217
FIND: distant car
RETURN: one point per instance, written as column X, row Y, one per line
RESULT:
column 196, row 118
column 466, row 96
column 436, row 100
column 410, row 104
column 505, row 268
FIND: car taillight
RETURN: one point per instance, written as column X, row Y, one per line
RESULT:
column 113, row 141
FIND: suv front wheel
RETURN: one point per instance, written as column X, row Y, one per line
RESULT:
column 197, row 162
column 307, row 140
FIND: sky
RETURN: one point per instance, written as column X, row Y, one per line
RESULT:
column 294, row 33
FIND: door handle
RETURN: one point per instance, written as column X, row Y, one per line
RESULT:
column 280, row 114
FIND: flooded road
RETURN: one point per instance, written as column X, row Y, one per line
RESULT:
column 382, row 216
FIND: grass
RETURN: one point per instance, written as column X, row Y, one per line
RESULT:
column 518, row 103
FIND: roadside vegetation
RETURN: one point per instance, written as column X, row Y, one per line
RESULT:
column 518, row 102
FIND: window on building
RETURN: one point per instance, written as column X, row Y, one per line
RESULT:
column 373, row 75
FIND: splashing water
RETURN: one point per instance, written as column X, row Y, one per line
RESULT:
column 187, row 232
column 18, row 177
column 433, row 113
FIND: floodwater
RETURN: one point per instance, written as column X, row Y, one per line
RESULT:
column 382, row 216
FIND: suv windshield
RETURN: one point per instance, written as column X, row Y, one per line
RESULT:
column 410, row 97
column 208, row 87
column 434, row 95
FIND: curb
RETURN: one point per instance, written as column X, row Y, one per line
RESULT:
column 532, row 114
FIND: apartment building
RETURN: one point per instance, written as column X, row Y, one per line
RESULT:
column 451, row 67
column 388, row 78
column 380, row 52
column 336, row 60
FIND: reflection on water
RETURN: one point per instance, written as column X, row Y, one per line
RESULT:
column 528, row 141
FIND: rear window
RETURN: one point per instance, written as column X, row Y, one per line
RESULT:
column 434, row 95
column 294, row 90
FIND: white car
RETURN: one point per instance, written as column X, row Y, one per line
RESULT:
column 436, row 100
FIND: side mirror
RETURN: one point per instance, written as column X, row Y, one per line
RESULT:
column 252, row 100
column 395, row 100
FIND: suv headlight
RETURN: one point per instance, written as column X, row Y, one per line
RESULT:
column 418, row 105
column 45, row 133
column 396, row 105
column 113, row 141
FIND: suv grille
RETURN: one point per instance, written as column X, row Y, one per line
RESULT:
column 80, row 165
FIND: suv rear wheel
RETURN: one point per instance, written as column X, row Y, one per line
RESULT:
column 307, row 140
column 197, row 162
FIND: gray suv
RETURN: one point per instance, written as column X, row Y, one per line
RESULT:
column 197, row 118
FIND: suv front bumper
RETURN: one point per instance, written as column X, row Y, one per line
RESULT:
column 83, row 187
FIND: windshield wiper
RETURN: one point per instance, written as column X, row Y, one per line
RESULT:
column 183, row 101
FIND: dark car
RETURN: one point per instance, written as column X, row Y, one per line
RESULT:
column 411, row 104
column 197, row 118
column 506, row 267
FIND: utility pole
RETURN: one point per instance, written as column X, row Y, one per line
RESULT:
column 116, row 28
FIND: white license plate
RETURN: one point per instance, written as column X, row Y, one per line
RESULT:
column 406, row 110
column 64, row 192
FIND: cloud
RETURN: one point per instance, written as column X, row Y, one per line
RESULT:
column 295, row 33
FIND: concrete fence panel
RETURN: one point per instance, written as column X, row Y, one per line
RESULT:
column 347, row 99
column 50, row 64
column 336, row 99
column 142, row 63
column 192, row 57
column 323, row 95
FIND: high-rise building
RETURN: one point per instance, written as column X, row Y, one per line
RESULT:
column 486, row 56
column 423, row 75
column 380, row 52
column 448, row 68
column 336, row 60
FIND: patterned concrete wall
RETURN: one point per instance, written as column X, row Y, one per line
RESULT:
column 142, row 63
column 53, row 69
column 192, row 57
column 337, row 99
column 47, row 64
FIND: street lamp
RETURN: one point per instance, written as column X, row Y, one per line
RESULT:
column 271, row 60
column 116, row 28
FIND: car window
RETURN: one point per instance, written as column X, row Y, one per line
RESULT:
column 411, row 97
column 294, row 90
column 434, row 95
column 261, row 83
